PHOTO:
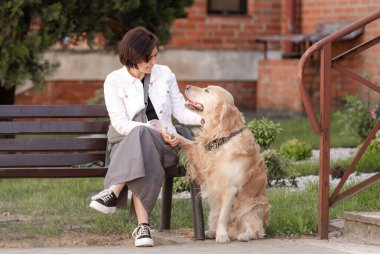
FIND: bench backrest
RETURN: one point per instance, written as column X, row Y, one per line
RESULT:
column 44, row 137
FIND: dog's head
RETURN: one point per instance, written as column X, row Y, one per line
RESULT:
column 215, row 105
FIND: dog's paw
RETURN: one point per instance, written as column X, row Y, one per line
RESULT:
column 185, row 141
column 210, row 234
column 246, row 236
column 261, row 234
column 222, row 237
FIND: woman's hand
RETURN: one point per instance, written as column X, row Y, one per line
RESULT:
column 173, row 141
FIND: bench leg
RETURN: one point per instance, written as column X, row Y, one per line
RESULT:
column 196, row 200
column 166, row 202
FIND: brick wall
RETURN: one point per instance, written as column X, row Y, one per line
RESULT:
column 199, row 31
column 244, row 93
column 366, row 63
column 277, row 90
column 60, row 93
column 237, row 32
column 234, row 32
column 277, row 86
column 277, row 83
column 74, row 92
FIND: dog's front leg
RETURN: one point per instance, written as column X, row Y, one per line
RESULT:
column 185, row 143
column 213, row 217
column 221, row 231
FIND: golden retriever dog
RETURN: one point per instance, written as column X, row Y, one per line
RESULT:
column 226, row 161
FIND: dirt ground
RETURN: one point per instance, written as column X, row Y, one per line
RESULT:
column 70, row 239
column 75, row 239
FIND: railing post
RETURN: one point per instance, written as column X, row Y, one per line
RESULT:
column 324, row 142
column 324, row 202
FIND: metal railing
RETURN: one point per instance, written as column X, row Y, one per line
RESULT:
column 325, row 201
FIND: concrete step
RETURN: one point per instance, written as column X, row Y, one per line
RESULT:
column 362, row 226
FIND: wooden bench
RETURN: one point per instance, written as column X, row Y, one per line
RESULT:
column 46, row 141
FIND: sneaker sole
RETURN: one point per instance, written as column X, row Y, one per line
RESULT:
column 144, row 242
column 101, row 208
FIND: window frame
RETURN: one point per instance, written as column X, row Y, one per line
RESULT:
column 243, row 4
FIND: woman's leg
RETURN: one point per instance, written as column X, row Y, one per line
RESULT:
column 142, row 233
column 117, row 188
column 141, row 213
column 106, row 200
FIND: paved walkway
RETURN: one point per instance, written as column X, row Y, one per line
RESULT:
column 335, row 245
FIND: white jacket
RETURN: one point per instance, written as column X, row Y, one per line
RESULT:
column 124, row 98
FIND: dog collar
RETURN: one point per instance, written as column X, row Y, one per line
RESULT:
column 221, row 141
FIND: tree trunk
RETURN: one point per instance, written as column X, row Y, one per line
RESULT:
column 7, row 95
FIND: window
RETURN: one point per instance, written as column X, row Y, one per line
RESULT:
column 227, row 6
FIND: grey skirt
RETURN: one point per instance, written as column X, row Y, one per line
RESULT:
column 139, row 161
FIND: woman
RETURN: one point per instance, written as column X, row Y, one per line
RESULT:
column 141, row 99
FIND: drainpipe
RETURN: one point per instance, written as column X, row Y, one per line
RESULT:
column 289, row 25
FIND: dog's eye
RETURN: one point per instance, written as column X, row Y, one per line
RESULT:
column 207, row 91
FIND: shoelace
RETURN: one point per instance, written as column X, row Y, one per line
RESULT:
column 101, row 194
column 106, row 197
column 141, row 230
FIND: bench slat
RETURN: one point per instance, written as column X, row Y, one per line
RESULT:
column 61, row 144
column 53, row 127
column 43, row 111
column 48, row 160
column 51, row 172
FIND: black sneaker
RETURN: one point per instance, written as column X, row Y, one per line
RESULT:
column 104, row 202
column 142, row 236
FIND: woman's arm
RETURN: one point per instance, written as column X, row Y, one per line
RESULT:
column 180, row 112
column 117, row 110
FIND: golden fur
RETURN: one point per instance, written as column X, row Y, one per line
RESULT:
column 233, row 176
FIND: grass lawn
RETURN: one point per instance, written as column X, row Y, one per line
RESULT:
column 370, row 162
column 51, row 207
column 301, row 129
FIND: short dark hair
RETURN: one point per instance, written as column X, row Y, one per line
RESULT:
column 136, row 46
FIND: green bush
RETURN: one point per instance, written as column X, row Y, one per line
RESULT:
column 180, row 184
column 360, row 116
column 370, row 161
column 295, row 149
column 276, row 164
column 264, row 131
column 374, row 146
column 182, row 159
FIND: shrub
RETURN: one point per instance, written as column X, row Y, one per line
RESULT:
column 275, row 164
column 182, row 159
column 264, row 131
column 360, row 116
column 374, row 146
column 370, row 160
column 295, row 149
column 180, row 184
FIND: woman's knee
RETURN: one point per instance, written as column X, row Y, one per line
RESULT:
column 140, row 129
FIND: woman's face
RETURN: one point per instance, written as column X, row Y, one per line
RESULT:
column 146, row 67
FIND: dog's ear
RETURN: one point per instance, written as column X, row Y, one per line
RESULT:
column 214, row 116
column 225, row 115
column 230, row 118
